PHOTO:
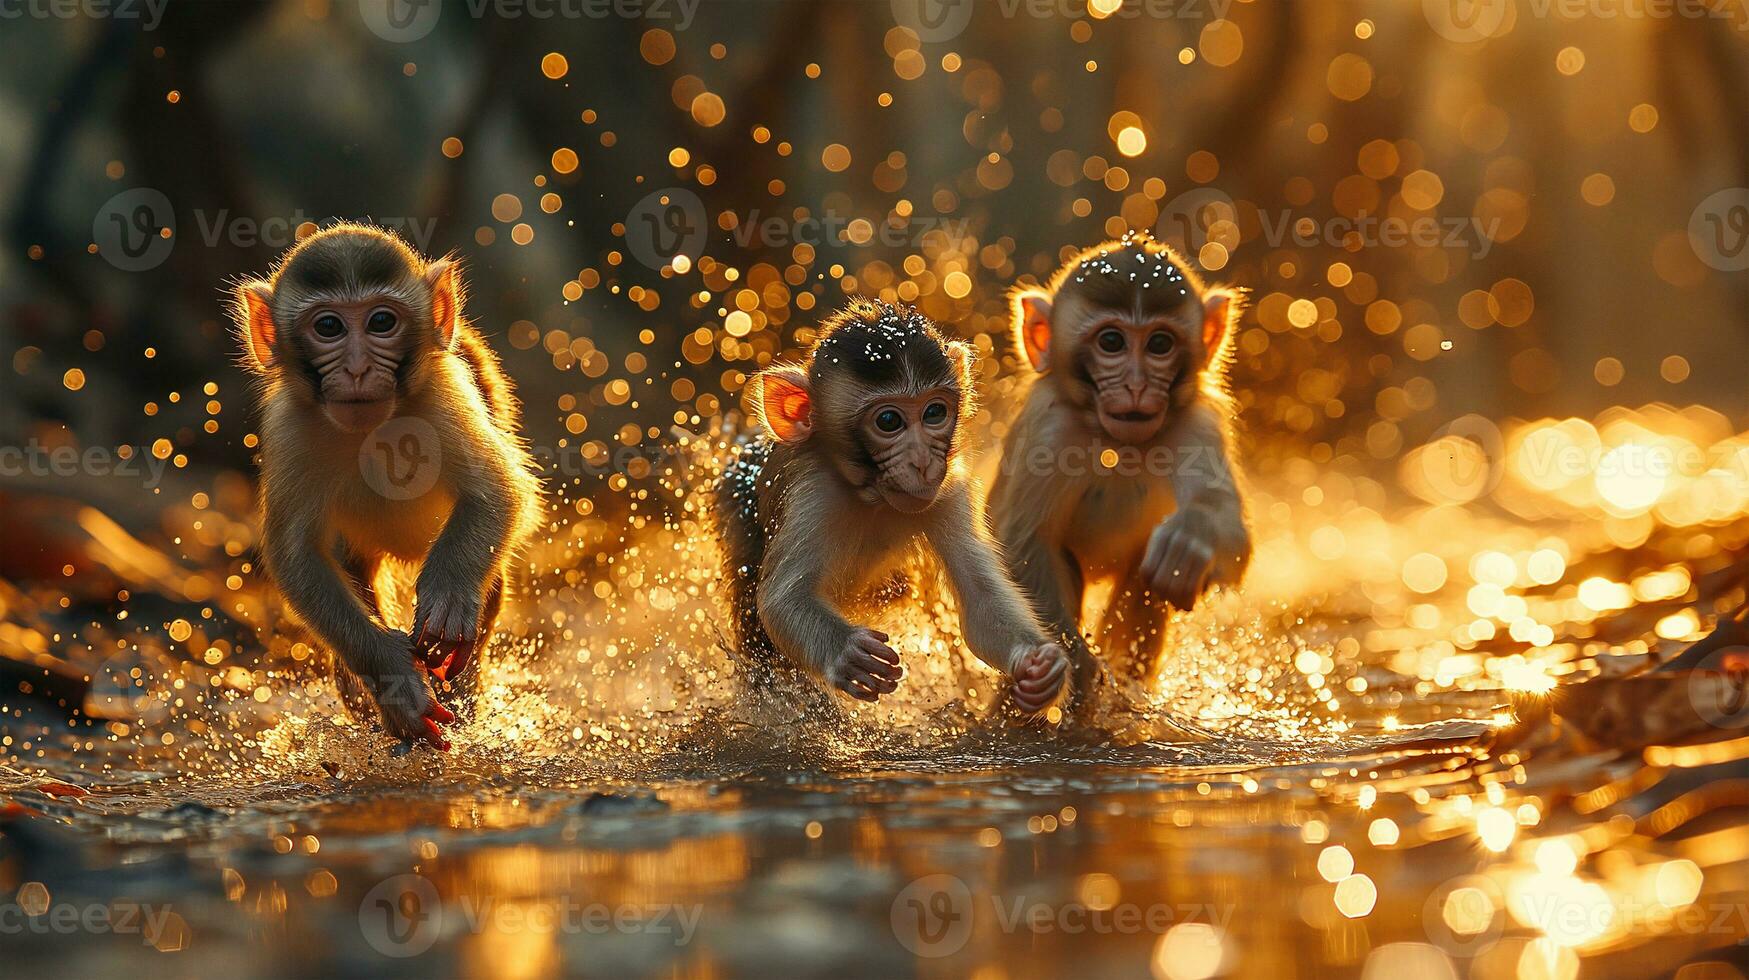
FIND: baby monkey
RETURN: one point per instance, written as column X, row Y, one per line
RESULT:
column 1117, row 468
column 860, row 461
column 388, row 430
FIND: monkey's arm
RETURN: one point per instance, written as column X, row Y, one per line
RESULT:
column 998, row 625
column 1205, row 540
column 300, row 559
column 470, row 551
column 802, row 625
column 1034, row 555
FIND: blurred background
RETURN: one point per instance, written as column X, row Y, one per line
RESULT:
column 1494, row 401
column 1514, row 208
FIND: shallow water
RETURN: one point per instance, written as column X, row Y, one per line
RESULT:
column 1338, row 772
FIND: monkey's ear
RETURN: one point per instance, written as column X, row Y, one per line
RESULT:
column 1032, row 327
column 445, row 285
column 1220, row 311
column 254, row 313
column 785, row 402
column 965, row 360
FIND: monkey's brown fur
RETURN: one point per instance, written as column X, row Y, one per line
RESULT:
column 1169, row 520
column 820, row 510
column 337, row 414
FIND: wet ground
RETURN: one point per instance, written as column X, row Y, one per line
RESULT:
column 1433, row 737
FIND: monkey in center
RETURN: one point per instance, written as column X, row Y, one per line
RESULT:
column 1118, row 468
column 862, row 459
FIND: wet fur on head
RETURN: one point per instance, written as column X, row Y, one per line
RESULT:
column 1102, row 275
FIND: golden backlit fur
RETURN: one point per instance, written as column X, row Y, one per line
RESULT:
column 1168, row 519
column 332, row 507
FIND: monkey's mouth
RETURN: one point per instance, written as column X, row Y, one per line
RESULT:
column 909, row 502
column 1131, row 427
column 359, row 414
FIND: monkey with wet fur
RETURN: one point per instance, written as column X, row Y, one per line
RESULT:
column 861, row 460
column 388, row 430
column 1118, row 468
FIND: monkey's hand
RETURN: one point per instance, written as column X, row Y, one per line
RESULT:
column 403, row 696
column 866, row 667
column 1040, row 677
column 1184, row 556
column 446, row 627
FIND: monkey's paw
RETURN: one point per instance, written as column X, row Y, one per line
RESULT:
column 1039, row 678
column 409, row 711
column 1180, row 561
column 446, row 629
column 866, row 668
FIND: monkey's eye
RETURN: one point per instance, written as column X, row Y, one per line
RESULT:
column 382, row 321
column 1161, row 343
column 1110, row 341
column 889, row 420
column 935, row 413
column 329, row 326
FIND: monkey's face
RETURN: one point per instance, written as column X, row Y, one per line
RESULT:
column 356, row 351
column 1131, row 367
column 910, row 438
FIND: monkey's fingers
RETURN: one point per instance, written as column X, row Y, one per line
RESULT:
column 878, row 649
column 850, row 687
column 867, row 662
column 440, row 713
column 1033, row 695
column 433, row 735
